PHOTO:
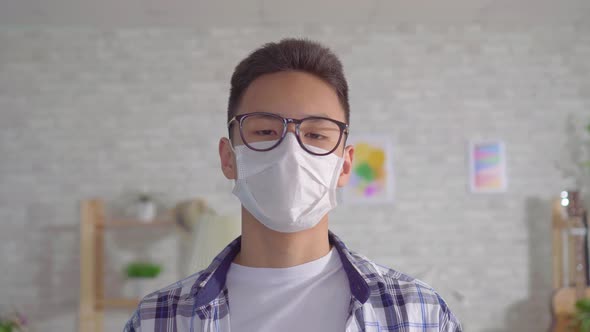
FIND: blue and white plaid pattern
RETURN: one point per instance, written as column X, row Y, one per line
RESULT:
column 382, row 300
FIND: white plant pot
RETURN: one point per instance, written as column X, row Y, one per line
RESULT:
column 145, row 211
column 138, row 287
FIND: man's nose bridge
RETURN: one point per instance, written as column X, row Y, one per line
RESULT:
column 291, row 127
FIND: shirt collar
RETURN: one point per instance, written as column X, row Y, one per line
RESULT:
column 212, row 280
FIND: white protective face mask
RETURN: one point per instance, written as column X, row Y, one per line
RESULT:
column 287, row 189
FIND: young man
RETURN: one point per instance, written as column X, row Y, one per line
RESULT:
column 288, row 119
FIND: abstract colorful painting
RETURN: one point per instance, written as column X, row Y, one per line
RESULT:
column 371, row 180
column 487, row 160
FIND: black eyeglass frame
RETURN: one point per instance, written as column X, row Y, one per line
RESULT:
column 344, row 129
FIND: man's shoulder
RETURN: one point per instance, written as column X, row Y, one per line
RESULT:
column 376, row 274
column 178, row 294
column 392, row 290
column 399, row 294
column 398, row 281
column 168, row 303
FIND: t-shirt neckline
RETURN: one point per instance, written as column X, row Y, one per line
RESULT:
column 310, row 269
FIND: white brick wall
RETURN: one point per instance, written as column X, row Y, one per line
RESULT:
column 87, row 112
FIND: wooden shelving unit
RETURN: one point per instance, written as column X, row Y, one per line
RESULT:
column 566, row 260
column 92, row 296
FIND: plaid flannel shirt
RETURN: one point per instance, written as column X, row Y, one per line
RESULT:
column 382, row 300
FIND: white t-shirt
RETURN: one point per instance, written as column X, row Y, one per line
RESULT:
column 314, row 296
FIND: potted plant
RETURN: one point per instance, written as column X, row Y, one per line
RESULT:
column 139, row 276
column 145, row 207
column 581, row 319
column 13, row 322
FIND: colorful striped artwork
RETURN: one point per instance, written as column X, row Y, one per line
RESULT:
column 487, row 166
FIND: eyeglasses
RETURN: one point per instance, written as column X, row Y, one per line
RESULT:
column 261, row 131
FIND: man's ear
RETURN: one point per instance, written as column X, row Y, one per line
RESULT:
column 346, row 166
column 227, row 158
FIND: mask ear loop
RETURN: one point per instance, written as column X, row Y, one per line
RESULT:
column 231, row 146
column 233, row 150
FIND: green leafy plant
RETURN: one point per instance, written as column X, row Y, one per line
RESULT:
column 13, row 322
column 142, row 270
column 582, row 316
column 6, row 326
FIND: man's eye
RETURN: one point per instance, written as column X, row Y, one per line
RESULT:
column 315, row 136
column 265, row 132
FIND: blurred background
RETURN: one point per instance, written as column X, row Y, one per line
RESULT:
column 119, row 100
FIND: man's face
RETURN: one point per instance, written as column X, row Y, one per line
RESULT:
column 295, row 95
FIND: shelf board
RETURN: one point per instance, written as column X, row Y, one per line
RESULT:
column 120, row 303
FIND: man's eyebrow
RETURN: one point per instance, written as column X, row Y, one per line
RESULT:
column 320, row 114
